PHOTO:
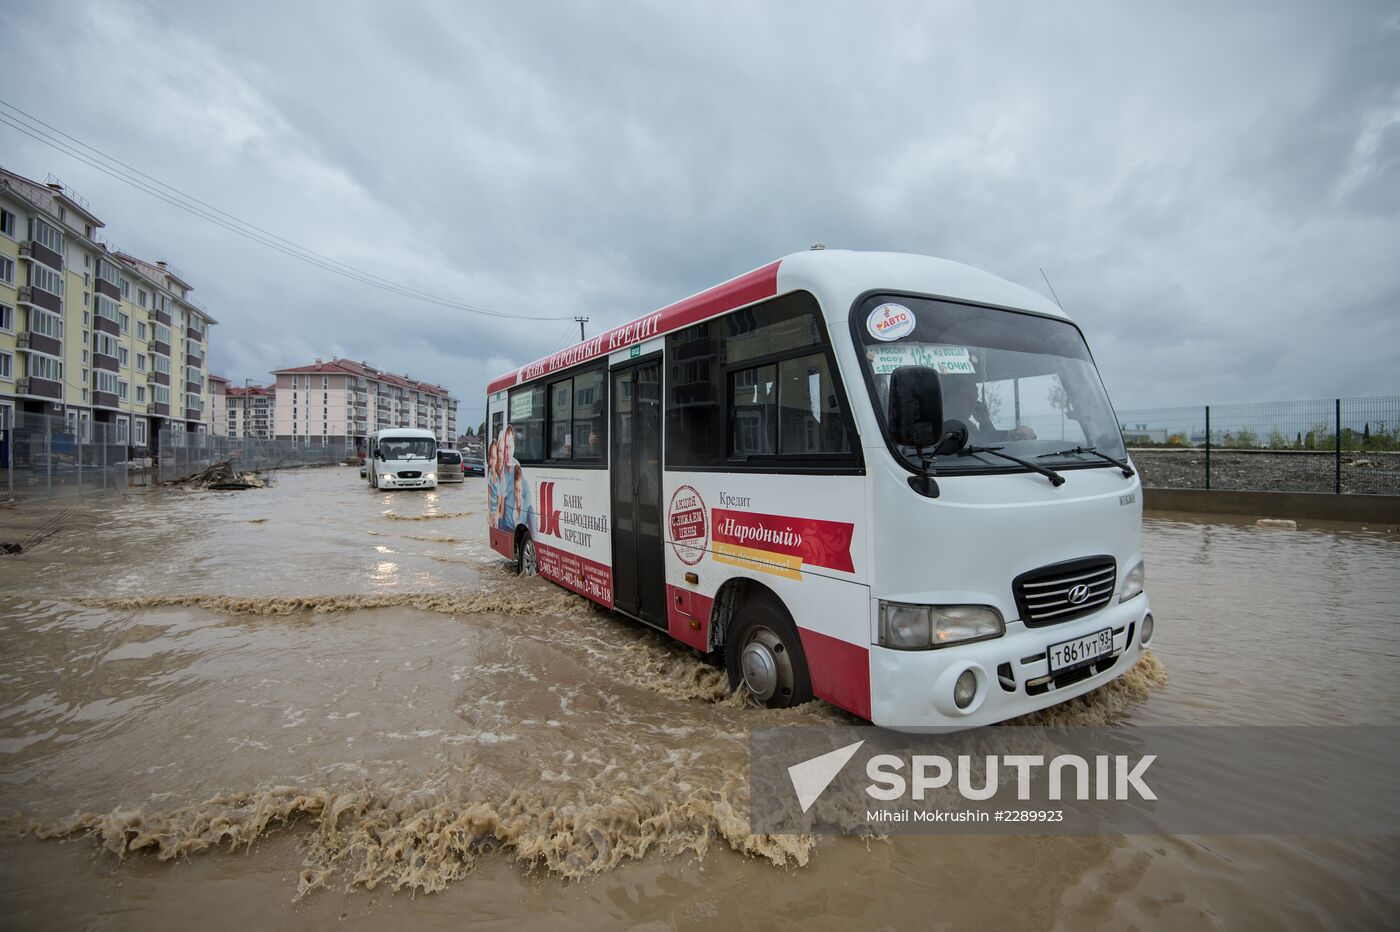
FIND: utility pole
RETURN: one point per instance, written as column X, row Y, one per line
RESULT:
column 581, row 322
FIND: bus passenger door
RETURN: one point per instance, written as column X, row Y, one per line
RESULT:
column 639, row 570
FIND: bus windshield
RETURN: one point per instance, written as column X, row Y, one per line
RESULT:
column 407, row 448
column 1019, row 381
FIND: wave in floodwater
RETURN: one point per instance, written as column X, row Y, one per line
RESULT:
column 421, row 841
column 392, row 516
column 421, row 837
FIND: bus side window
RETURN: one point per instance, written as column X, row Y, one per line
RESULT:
column 756, row 385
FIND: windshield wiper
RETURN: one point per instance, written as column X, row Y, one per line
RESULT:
column 1128, row 471
column 1055, row 478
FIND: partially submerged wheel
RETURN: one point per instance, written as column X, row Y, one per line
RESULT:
column 764, row 657
column 526, row 563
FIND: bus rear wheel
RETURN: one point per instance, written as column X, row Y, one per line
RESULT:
column 526, row 562
column 763, row 656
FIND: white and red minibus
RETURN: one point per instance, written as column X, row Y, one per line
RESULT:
column 888, row 481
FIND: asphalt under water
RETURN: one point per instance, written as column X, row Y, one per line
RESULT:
column 313, row 702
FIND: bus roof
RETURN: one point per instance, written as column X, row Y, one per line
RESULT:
column 830, row 273
column 405, row 432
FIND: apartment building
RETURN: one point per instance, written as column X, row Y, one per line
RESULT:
column 89, row 334
column 250, row 410
column 342, row 402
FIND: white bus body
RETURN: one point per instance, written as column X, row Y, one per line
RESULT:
column 402, row 458
column 722, row 470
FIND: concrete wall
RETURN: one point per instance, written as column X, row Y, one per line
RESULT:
column 1372, row 509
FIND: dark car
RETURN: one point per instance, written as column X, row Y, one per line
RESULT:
column 471, row 466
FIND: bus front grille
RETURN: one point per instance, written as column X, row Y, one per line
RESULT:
column 410, row 474
column 1065, row 591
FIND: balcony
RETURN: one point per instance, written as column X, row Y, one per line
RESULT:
column 39, row 343
column 43, row 388
column 195, row 333
column 38, row 252
column 41, row 298
column 194, row 362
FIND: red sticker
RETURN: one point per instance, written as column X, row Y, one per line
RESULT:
column 690, row 530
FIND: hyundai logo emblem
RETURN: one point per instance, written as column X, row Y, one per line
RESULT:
column 1079, row 594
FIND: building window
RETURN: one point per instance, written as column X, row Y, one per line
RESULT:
column 140, row 362
column 45, row 234
column 7, row 223
column 124, row 321
column 141, row 296
column 7, row 270
column 140, row 430
column 50, row 325
column 45, row 367
column 124, row 356
column 140, row 394
column 7, row 366
column 122, row 389
column 45, row 279
column 140, row 330
column 123, row 430
column 7, row 318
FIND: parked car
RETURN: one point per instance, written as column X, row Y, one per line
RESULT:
column 472, row 466
column 449, row 466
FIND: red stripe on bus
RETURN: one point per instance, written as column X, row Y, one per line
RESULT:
column 589, row 578
column 684, row 607
column 840, row 671
column 502, row 543
column 815, row 540
column 747, row 288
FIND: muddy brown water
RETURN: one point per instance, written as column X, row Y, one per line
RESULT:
column 295, row 706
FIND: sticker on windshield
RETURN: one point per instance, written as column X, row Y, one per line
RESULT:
column 949, row 360
column 890, row 322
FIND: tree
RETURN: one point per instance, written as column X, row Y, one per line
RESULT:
column 481, row 431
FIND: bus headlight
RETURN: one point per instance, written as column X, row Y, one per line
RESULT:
column 1132, row 583
column 923, row 627
column 385, row 476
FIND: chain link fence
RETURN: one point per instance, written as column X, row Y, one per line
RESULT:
column 1336, row 445
column 183, row 455
column 50, row 457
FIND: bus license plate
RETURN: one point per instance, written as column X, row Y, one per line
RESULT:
column 1069, row 654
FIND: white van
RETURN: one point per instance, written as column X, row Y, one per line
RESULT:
column 402, row 458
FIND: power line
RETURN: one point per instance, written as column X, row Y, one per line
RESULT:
column 198, row 208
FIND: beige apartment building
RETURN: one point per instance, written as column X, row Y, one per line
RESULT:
column 91, row 335
column 241, row 411
column 341, row 402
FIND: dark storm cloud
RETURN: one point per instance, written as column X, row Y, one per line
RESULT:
column 1213, row 191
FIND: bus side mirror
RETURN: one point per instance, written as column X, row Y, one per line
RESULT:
column 916, row 407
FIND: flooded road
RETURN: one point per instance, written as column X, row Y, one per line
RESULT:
column 314, row 702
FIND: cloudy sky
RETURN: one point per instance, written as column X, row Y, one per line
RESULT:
column 1213, row 189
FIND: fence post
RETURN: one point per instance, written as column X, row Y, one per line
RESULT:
column 1337, row 457
column 48, row 458
column 1207, row 448
column 105, row 438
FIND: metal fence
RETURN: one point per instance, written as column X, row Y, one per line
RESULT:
column 186, row 454
column 1336, row 445
column 50, row 457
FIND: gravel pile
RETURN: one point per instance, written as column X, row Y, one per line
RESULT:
column 1268, row 470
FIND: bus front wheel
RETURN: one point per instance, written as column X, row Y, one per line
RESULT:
column 763, row 656
column 526, row 563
